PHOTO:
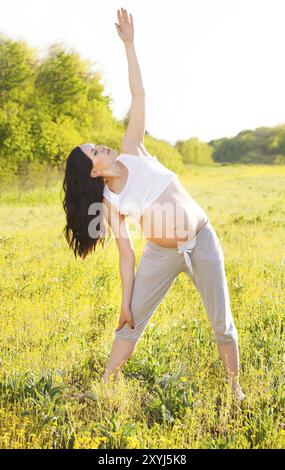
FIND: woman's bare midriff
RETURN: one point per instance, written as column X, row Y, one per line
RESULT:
column 174, row 218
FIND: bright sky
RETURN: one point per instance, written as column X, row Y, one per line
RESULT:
column 210, row 68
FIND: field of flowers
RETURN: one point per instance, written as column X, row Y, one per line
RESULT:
column 58, row 316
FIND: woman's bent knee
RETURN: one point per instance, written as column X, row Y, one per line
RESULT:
column 126, row 333
column 226, row 336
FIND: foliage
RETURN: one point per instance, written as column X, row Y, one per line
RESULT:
column 58, row 316
column 50, row 105
column 195, row 152
column 17, row 71
column 262, row 145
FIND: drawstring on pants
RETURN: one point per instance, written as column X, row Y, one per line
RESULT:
column 188, row 248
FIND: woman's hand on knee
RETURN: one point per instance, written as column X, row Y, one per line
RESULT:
column 125, row 317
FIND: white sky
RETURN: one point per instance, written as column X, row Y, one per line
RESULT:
column 210, row 67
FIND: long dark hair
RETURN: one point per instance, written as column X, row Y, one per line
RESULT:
column 80, row 191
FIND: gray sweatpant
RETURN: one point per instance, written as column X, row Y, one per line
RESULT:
column 202, row 260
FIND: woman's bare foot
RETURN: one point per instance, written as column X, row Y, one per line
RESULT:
column 237, row 392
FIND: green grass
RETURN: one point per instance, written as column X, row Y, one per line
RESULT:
column 58, row 317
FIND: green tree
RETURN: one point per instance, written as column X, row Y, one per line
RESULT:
column 262, row 145
column 68, row 86
column 15, row 137
column 194, row 151
column 17, row 71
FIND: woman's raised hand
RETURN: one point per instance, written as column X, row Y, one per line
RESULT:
column 125, row 28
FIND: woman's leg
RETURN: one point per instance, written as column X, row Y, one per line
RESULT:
column 209, row 278
column 157, row 269
column 120, row 353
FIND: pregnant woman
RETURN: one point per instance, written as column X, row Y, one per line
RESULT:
column 180, row 237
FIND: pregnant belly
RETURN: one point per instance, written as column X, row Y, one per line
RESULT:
column 174, row 218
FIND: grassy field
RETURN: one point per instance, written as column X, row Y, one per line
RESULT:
column 58, row 316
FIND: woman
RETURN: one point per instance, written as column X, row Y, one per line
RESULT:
column 180, row 238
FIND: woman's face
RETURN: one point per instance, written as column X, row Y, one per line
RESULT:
column 101, row 156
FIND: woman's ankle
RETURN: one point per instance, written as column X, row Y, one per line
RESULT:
column 233, row 381
column 110, row 376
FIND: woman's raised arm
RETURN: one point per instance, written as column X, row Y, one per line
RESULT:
column 135, row 132
column 125, row 30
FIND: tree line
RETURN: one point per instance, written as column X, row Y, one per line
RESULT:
column 50, row 105
column 263, row 145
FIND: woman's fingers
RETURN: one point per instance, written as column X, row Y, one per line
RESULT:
column 123, row 16
column 121, row 324
column 119, row 17
column 126, row 15
column 129, row 320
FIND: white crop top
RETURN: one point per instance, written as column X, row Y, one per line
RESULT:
column 147, row 178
